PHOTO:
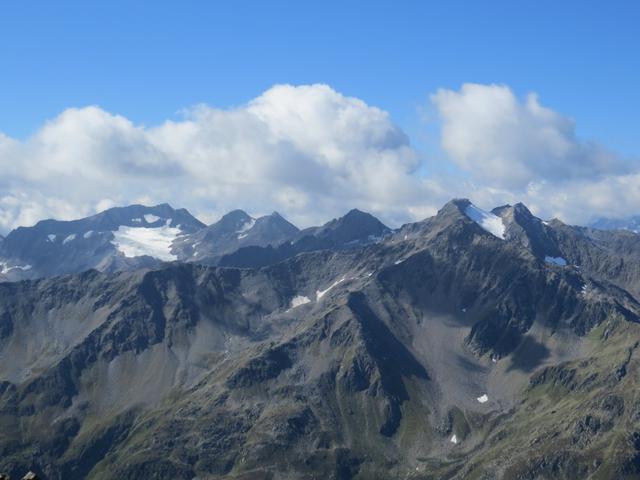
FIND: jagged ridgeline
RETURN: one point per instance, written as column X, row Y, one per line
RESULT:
column 140, row 343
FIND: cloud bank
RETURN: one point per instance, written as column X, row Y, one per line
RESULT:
column 312, row 153
column 505, row 143
column 518, row 150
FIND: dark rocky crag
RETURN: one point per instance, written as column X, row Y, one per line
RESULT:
column 437, row 351
column 354, row 230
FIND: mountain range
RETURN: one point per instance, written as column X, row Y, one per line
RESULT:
column 134, row 237
column 629, row 223
column 140, row 343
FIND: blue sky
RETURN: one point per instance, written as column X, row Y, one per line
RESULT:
column 395, row 107
column 148, row 60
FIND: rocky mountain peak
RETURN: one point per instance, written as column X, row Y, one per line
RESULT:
column 233, row 231
column 518, row 212
column 354, row 227
column 274, row 225
column 354, row 214
column 232, row 221
column 358, row 223
column 454, row 207
column 523, row 227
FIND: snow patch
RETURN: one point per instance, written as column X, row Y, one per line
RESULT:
column 487, row 220
column 556, row 260
column 195, row 249
column 454, row 439
column 483, row 399
column 136, row 220
column 584, row 291
column 69, row 238
column 242, row 233
column 321, row 293
column 88, row 234
column 398, row 262
column 299, row 300
column 4, row 268
column 154, row 242
column 150, row 218
column 51, row 237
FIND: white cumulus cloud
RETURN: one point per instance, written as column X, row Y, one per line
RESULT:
column 307, row 151
column 504, row 142
column 519, row 150
column 312, row 154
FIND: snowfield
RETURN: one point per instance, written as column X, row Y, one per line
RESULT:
column 487, row 220
column 321, row 293
column 154, row 242
column 299, row 300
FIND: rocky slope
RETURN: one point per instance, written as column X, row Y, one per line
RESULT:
column 459, row 347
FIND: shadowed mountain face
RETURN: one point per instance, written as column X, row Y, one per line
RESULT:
column 606, row 256
column 354, row 230
column 234, row 231
column 470, row 345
